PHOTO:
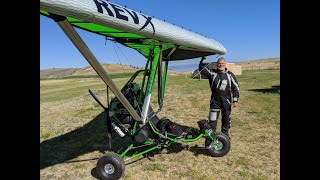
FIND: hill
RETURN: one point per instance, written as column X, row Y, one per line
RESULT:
column 66, row 72
column 89, row 71
column 110, row 68
column 57, row 72
column 268, row 63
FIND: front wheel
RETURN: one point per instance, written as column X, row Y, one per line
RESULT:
column 110, row 166
column 220, row 146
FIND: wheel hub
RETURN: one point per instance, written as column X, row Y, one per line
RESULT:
column 215, row 146
column 109, row 168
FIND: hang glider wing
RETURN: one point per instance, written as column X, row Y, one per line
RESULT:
column 132, row 29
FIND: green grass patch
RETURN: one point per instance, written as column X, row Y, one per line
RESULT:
column 45, row 134
column 85, row 110
column 156, row 167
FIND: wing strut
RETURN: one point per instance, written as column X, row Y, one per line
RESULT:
column 171, row 52
column 160, row 97
column 154, row 65
column 85, row 51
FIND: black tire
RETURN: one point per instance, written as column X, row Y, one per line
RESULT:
column 224, row 143
column 110, row 166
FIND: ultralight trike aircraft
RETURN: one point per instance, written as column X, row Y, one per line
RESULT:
column 129, row 113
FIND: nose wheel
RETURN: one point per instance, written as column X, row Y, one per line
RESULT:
column 220, row 146
column 110, row 166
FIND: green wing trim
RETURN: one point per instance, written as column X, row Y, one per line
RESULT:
column 140, row 43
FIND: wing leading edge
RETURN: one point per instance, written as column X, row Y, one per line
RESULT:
column 132, row 29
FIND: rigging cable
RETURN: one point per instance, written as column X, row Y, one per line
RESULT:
column 123, row 54
column 118, row 57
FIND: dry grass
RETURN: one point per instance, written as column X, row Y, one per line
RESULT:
column 57, row 72
column 72, row 135
column 110, row 68
column 271, row 63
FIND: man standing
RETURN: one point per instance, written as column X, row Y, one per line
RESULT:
column 223, row 84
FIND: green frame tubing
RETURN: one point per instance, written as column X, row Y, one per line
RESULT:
column 158, row 146
column 154, row 65
column 153, row 49
column 132, row 78
column 143, row 82
column 164, row 78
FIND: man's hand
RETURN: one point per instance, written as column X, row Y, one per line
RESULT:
column 235, row 104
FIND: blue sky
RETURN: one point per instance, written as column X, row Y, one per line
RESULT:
column 248, row 29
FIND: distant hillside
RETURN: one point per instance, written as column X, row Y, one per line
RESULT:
column 66, row 72
column 110, row 68
column 57, row 72
column 269, row 63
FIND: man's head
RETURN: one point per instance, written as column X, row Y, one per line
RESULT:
column 221, row 64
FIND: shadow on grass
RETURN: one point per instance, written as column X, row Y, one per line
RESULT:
column 273, row 89
column 93, row 137
column 88, row 138
column 196, row 150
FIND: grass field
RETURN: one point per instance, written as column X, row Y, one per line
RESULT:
column 73, row 137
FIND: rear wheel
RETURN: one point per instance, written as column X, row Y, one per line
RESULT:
column 110, row 166
column 220, row 146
